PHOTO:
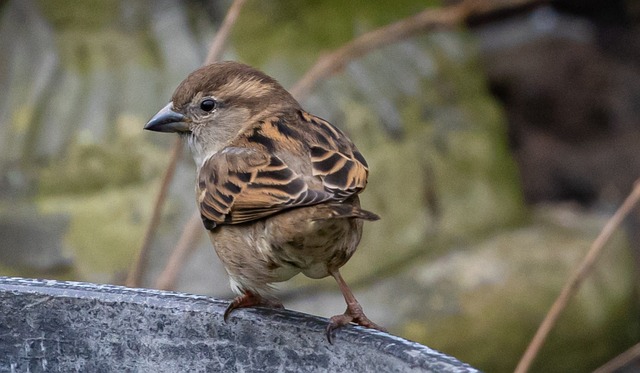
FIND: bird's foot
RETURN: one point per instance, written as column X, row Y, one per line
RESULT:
column 250, row 299
column 353, row 314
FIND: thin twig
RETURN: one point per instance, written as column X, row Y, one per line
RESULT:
column 134, row 278
column 575, row 281
column 193, row 230
column 621, row 360
column 219, row 42
column 428, row 19
column 188, row 240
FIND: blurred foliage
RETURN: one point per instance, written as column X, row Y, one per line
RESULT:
column 303, row 30
column 94, row 34
column 92, row 167
column 106, row 228
column 86, row 15
column 89, row 167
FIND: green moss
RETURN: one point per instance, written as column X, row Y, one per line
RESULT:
column 106, row 227
column 87, row 15
column 473, row 169
column 301, row 31
column 89, row 167
column 107, row 189
column 10, row 271
column 489, row 326
column 90, row 34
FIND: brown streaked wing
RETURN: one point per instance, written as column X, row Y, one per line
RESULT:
column 335, row 159
column 238, row 185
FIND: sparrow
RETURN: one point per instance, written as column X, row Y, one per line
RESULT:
column 277, row 188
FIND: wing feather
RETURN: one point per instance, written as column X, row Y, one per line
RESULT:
column 335, row 159
column 248, row 181
column 239, row 185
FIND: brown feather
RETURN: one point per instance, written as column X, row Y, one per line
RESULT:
column 247, row 181
column 250, row 184
column 336, row 160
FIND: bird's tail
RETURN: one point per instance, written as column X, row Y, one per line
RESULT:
column 346, row 210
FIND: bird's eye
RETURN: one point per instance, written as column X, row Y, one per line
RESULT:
column 208, row 104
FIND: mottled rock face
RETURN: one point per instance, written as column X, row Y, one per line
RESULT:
column 569, row 80
column 63, row 326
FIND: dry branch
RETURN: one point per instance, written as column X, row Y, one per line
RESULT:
column 134, row 278
column 219, row 42
column 621, row 360
column 188, row 240
column 428, row 19
column 572, row 285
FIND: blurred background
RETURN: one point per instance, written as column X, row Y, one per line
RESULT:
column 497, row 150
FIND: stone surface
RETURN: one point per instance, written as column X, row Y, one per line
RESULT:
column 503, row 285
column 37, row 236
column 48, row 325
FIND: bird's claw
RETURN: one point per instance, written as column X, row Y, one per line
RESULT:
column 351, row 315
column 249, row 299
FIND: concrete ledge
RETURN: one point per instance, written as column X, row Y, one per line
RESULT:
column 58, row 326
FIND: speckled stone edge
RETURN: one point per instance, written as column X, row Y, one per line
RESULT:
column 416, row 356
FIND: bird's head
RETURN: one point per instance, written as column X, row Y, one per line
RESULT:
column 218, row 101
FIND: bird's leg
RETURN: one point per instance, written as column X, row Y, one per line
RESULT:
column 353, row 313
column 250, row 299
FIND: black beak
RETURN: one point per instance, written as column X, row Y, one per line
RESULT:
column 167, row 120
